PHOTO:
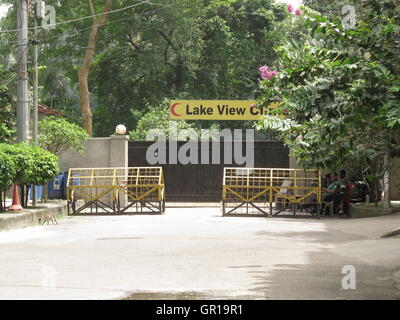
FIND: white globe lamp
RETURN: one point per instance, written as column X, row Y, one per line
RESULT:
column 120, row 129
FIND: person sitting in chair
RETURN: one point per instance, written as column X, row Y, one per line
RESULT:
column 326, row 181
column 331, row 191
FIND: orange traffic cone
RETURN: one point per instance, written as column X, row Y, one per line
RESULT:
column 16, row 202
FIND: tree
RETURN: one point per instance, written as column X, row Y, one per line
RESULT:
column 33, row 165
column 83, row 73
column 7, row 111
column 339, row 90
column 42, row 169
column 59, row 91
column 148, row 52
column 156, row 118
column 333, row 9
column 7, row 176
column 7, row 116
column 57, row 135
column 182, row 49
column 21, row 155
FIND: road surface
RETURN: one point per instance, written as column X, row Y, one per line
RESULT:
column 195, row 253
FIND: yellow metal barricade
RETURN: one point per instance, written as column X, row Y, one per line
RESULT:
column 116, row 190
column 259, row 190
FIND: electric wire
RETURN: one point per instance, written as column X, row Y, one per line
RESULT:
column 86, row 17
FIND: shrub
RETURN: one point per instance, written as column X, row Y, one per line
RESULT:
column 7, row 175
column 57, row 135
column 42, row 168
column 29, row 165
column 21, row 156
column 7, row 171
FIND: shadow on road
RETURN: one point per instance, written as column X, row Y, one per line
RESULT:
column 320, row 277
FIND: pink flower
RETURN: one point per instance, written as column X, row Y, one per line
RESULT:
column 290, row 8
column 253, row 106
column 298, row 12
column 266, row 73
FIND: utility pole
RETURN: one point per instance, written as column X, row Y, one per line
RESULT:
column 22, row 71
column 35, row 93
column 39, row 12
column 35, row 84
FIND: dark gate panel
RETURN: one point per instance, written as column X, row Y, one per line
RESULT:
column 203, row 182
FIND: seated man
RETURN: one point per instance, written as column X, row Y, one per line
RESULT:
column 326, row 181
column 330, row 192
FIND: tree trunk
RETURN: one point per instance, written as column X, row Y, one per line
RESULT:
column 22, row 194
column 44, row 193
column 386, row 181
column 179, row 74
column 83, row 73
column 27, row 195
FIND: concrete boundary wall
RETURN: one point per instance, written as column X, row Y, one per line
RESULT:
column 98, row 153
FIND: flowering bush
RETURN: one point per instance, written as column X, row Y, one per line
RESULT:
column 340, row 92
column 266, row 73
column 291, row 9
column 269, row 78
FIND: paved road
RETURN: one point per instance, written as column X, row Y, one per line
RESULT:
column 195, row 253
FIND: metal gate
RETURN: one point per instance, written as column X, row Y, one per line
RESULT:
column 203, row 182
column 252, row 191
column 94, row 191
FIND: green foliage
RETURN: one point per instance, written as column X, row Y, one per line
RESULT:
column 156, row 118
column 333, row 9
column 58, row 90
column 21, row 155
column 209, row 49
column 42, row 169
column 7, row 79
column 192, row 49
column 339, row 90
column 57, row 135
column 7, row 171
column 7, row 113
column 33, row 165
